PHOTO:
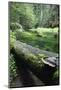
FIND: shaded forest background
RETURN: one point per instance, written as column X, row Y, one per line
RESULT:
column 34, row 15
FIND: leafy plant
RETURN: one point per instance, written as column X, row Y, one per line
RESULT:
column 12, row 39
column 56, row 74
column 12, row 68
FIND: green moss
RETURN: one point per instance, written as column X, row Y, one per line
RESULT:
column 34, row 61
column 31, row 56
column 42, row 56
column 46, row 42
column 27, row 37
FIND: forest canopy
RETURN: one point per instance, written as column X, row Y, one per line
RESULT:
column 34, row 15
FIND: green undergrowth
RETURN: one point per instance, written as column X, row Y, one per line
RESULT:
column 35, row 60
column 56, row 74
column 43, row 38
column 42, row 56
column 12, row 68
column 14, row 26
column 12, row 39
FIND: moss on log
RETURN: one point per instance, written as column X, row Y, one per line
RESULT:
column 33, row 57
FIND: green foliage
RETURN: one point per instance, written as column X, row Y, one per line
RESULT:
column 56, row 36
column 34, row 15
column 12, row 39
column 14, row 26
column 56, row 74
column 31, row 56
column 29, row 24
column 47, row 15
column 26, row 37
column 12, row 68
column 46, row 41
column 34, row 60
column 42, row 56
column 22, row 13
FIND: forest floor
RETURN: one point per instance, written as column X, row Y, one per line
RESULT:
column 26, row 79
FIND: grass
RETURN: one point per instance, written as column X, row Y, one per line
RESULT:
column 45, row 40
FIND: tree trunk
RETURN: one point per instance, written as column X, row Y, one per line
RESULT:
column 29, row 57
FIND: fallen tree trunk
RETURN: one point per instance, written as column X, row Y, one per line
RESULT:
column 33, row 58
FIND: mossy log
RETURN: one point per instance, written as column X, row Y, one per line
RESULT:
column 34, row 59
